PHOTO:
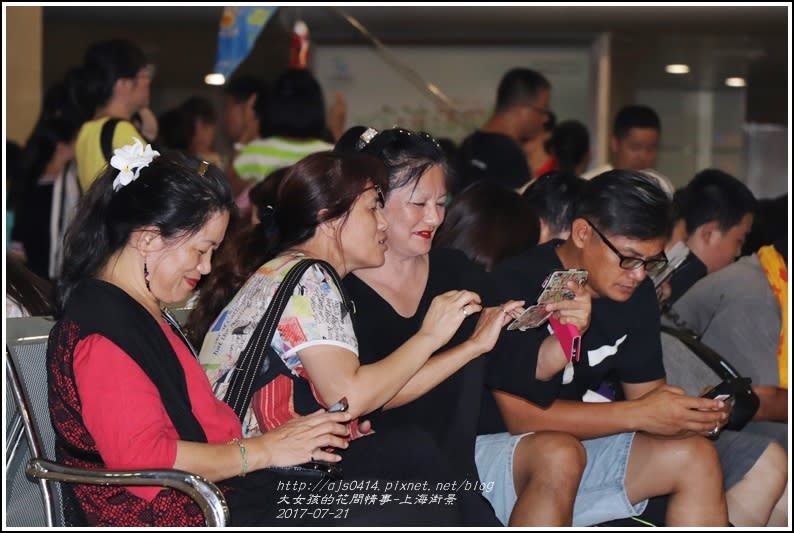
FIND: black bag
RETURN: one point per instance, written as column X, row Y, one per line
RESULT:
column 745, row 400
column 259, row 364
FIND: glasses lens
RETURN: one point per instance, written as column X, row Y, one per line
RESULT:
column 631, row 263
column 655, row 266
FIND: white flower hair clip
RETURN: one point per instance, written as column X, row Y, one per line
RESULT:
column 129, row 160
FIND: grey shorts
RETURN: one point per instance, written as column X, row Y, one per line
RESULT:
column 738, row 451
column 602, row 493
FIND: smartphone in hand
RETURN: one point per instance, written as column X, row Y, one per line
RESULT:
column 555, row 288
column 339, row 407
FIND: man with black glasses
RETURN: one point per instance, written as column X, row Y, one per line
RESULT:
column 652, row 444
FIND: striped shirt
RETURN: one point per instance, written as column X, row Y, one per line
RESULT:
column 262, row 156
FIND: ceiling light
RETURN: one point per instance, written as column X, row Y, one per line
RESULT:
column 735, row 82
column 215, row 78
column 677, row 68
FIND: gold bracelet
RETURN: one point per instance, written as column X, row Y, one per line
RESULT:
column 243, row 456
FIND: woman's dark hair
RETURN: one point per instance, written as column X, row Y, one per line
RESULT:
column 489, row 223
column 626, row 203
column 32, row 293
column 407, row 155
column 296, row 108
column 318, row 188
column 351, row 142
column 261, row 194
column 105, row 62
column 40, row 147
column 170, row 194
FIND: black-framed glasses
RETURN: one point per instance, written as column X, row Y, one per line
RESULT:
column 652, row 265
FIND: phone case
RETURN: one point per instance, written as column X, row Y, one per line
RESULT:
column 569, row 338
column 532, row 317
column 555, row 285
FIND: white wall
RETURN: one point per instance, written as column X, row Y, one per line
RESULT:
column 380, row 97
column 700, row 129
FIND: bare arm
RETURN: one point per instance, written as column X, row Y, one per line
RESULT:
column 336, row 372
column 295, row 442
column 662, row 410
column 774, row 403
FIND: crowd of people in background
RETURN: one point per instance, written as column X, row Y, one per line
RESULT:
column 411, row 255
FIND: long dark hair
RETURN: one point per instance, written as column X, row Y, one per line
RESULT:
column 170, row 194
column 40, row 147
column 318, row 188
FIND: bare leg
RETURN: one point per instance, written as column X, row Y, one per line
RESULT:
column 779, row 516
column 547, row 468
column 752, row 499
column 687, row 469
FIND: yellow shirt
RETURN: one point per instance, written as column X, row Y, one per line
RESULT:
column 88, row 150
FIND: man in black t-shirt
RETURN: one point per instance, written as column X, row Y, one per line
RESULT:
column 649, row 445
column 494, row 151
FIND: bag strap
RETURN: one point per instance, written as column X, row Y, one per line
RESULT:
column 711, row 358
column 106, row 137
column 254, row 355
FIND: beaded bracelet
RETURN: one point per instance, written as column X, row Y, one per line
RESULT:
column 243, row 456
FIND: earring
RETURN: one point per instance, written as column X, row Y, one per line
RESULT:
column 146, row 276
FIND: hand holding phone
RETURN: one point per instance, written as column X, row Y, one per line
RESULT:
column 555, row 289
column 339, row 407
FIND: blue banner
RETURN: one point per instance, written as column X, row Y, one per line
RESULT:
column 240, row 27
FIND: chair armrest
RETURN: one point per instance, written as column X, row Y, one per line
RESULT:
column 209, row 498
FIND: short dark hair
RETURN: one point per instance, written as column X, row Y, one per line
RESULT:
column 240, row 89
column 296, row 107
column 519, row 85
column 553, row 197
column 175, row 129
column 198, row 107
column 570, row 144
column 635, row 116
column 170, row 194
column 489, row 223
column 714, row 195
column 105, row 62
column 626, row 203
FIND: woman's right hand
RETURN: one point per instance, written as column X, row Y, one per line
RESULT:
column 490, row 323
column 446, row 313
column 302, row 439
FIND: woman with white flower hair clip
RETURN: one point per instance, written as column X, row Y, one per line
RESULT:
column 125, row 388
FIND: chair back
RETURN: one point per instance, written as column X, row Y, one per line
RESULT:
column 26, row 368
